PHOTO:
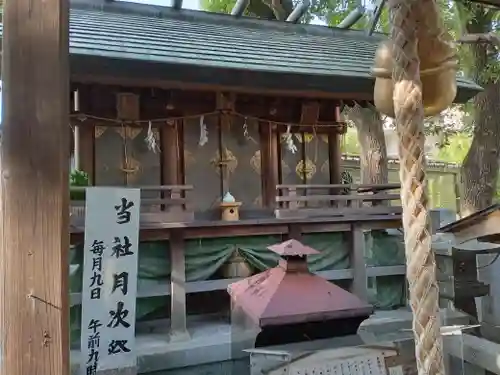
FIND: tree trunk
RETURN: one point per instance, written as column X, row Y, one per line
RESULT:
column 373, row 158
column 480, row 167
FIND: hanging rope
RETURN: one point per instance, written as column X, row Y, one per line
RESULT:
column 409, row 116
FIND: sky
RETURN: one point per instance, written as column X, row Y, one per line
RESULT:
column 187, row 4
column 192, row 4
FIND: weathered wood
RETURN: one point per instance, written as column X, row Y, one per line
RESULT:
column 154, row 288
column 343, row 211
column 147, row 187
column 358, row 263
column 176, row 209
column 269, row 163
column 128, row 106
column 34, row 199
column 147, row 82
column 160, row 231
column 334, row 158
column 352, row 197
column 295, row 232
column 148, row 219
column 335, row 153
column 195, row 102
column 483, row 226
column 475, row 350
column 309, row 113
column 87, row 154
column 169, row 154
column 147, row 202
column 359, row 188
column 178, row 328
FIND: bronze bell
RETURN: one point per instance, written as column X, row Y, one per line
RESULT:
column 438, row 69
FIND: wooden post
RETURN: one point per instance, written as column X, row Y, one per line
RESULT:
column 334, row 157
column 335, row 153
column 178, row 323
column 269, row 163
column 34, row 192
column 169, row 153
column 170, row 163
column 87, row 153
column 358, row 263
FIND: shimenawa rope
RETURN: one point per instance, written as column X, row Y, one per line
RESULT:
column 409, row 116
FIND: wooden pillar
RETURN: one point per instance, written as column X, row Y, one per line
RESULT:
column 178, row 321
column 334, row 157
column 87, row 151
column 34, row 191
column 358, row 263
column 170, row 171
column 225, row 104
column 269, row 163
column 295, row 232
column 335, row 152
column 170, row 154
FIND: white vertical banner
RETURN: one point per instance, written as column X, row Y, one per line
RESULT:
column 109, row 279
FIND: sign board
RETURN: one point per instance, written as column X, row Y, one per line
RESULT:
column 109, row 279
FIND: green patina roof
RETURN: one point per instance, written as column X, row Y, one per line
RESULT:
column 221, row 41
column 150, row 33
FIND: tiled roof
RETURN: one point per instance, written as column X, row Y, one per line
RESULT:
column 226, row 44
column 149, row 33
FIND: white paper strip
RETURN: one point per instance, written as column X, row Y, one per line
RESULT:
column 109, row 279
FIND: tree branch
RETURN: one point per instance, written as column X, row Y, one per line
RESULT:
column 489, row 38
column 278, row 9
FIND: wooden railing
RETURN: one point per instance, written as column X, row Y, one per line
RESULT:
column 159, row 204
column 299, row 201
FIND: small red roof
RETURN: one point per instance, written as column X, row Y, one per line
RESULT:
column 277, row 297
column 292, row 248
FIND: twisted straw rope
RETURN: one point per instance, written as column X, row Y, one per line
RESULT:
column 421, row 268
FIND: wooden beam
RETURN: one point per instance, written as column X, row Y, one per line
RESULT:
column 163, row 288
column 475, row 350
column 486, row 228
column 34, row 192
column 167, row 84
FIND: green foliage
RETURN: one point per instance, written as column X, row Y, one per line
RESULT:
column 78, row 179
column 349, row 143
column 219, row 6
column 455, row 151
column 256, row 8
column 332, row 12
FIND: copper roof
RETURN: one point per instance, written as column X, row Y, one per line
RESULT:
column 287, row 295
column 292, row 248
